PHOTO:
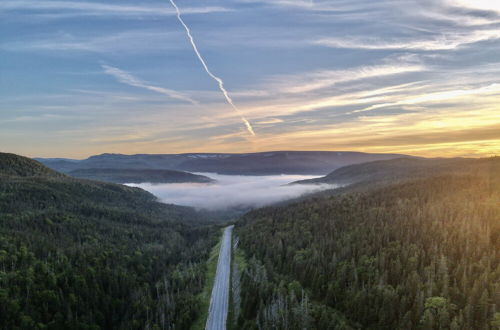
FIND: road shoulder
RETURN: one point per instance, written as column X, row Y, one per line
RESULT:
column 204, row 296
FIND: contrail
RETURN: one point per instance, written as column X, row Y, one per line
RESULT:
column 205, row 66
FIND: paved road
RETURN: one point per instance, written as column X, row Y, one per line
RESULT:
column 217, row 313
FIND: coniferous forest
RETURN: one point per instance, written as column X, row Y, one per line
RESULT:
column 418, row 254
column 78, row 254
column 408, row 252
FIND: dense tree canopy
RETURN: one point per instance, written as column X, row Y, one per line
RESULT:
column 419, row 254
column 78, row 254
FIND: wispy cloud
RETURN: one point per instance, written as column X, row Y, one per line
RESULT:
column 269, row 121
column 132, row 41
column 440, row 132
column 287, row 3
column 341, row 6
column 448, row 41
column 487, row 94
column 326, row 78
column 415, row 95
column 128, row 79
column 25, row 119
column 84, row 8
column 484, row 5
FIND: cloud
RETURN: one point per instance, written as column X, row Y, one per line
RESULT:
column 83, row 8
column 233, row 191
column 326, row 78
column 483, row 133
column 448, row 41
column 342, row 7
column 269, row 121
column 453, row 95
column 303, row 4
column 484, row 5
column 126, row 78
column 39, row 118
column 129, row 42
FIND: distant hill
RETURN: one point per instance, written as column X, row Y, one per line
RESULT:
column 123, row 175
column 402, row 168
column 262, row 163
column 81, row 254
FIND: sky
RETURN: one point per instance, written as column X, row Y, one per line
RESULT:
column 420, row 77
column 233, row 191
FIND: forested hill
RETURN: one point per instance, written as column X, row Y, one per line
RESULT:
column 40, row 189
column 14, row 165
column 121, row 175
column 80, row 254
column 423, row 253
column 403, row 169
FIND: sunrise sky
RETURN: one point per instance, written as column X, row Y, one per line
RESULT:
column 85, row 77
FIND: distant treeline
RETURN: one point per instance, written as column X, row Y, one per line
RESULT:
column 121, row 175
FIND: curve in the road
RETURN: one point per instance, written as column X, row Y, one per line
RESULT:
column 219, row 301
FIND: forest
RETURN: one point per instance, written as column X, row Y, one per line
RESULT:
column 79, row 254
column 406, row 254
column 411, row 252
column 131, row 175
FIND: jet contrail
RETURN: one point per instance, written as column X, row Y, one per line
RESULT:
column 205, row 66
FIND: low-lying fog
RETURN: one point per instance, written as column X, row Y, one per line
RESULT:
column 232, row 191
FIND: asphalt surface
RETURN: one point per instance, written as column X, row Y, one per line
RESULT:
column 219, row 301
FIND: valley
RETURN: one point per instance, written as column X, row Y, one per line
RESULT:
column 404, row 243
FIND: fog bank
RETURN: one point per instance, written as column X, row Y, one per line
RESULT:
column 232, row 191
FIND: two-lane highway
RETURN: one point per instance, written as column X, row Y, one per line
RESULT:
column 219, row 302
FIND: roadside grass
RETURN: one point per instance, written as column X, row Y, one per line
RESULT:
column 204, row 296
column 237, row 259
column 240, row 260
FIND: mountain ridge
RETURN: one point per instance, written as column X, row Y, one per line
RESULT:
column 259, row 163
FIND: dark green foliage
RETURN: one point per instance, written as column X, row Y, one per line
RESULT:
column 122, row 175
column 78, row 254
column 419, row 254
column 14, row 165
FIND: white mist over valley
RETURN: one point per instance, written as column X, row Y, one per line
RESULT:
column 233, row 191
